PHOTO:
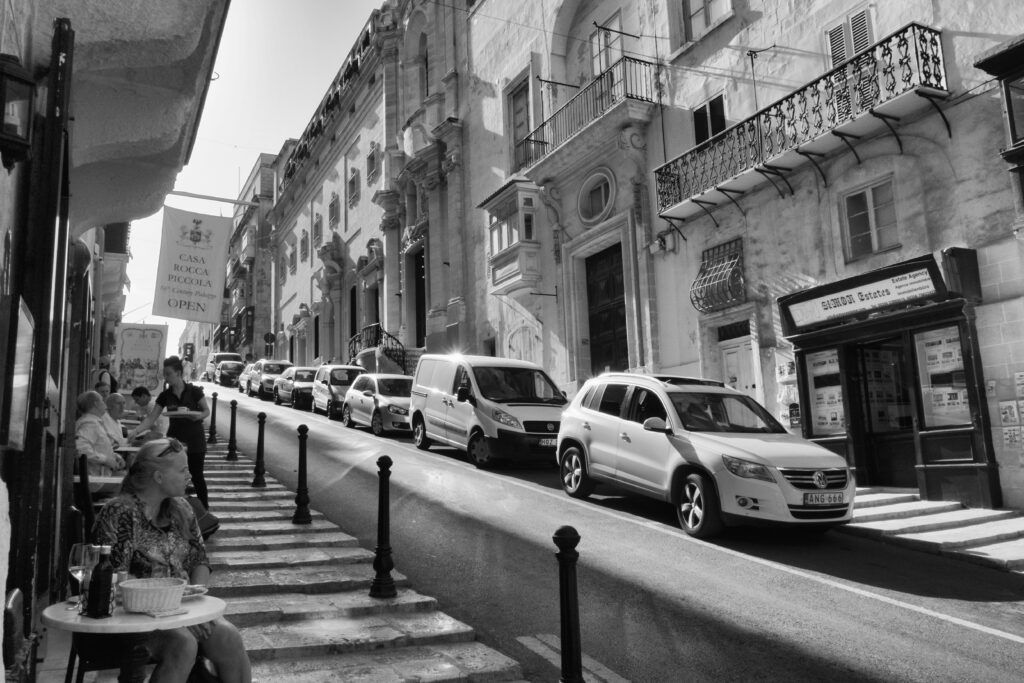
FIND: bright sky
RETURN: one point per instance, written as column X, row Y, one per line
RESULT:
column 275, row 62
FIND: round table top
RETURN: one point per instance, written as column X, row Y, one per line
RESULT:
column 201, row 609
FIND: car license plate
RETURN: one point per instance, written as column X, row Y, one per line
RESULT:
column 547, row 443
column 825, row 498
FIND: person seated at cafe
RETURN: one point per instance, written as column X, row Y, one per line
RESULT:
column 103, row 389
column 112, row 420
column 144, row 404
column 92, row 438
column 152, row 531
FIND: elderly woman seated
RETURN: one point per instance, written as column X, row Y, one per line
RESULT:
column 152, row 530
column 92, row 438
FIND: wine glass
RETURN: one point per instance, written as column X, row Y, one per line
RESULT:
column 76, row 568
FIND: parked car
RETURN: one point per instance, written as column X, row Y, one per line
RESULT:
column 295, row 386
column 492, row 408
column 715, row 453
column 227, row 372
column 263, row 374
column 214, row 359
column 243, row 379
column 379, row 401
column 329, row 387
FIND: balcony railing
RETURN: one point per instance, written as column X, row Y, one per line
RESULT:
column 627, row 78
column 909, row 59
column 376, row 336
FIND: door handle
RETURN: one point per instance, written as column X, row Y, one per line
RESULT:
column 586, row 425
column 624, row 436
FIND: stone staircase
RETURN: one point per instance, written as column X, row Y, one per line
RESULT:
column 990, row 537
column 299, row 594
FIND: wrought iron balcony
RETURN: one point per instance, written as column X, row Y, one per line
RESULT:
column 628, row 78
column 898, row 75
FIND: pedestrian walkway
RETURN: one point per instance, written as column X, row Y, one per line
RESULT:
column 299, row 594
column 990, row 537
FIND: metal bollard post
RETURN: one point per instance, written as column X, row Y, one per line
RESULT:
column 258, row 481
column 383, row 586
column 232, row 444
column 213, row 420
column 302, row 515
column 567, row 538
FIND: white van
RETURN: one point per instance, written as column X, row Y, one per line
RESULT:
column 492, row 408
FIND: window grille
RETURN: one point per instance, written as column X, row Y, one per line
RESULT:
column 333, row 212
column 353, row 187
column 304, row 246
column 292, row 261
column 372, row 164
column 318, row 230
column 720, row 282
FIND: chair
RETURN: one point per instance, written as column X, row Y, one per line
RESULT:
column 83, row 499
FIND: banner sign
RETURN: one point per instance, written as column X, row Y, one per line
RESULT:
column 139, row 357
column 191, row 273
column 866, row 297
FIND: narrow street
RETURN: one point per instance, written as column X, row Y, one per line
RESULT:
column 654, row 603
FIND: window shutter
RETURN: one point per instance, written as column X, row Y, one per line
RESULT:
column 860, row 30
column 837, row 44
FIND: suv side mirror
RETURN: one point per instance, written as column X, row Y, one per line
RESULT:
column 463, row 395
column 656, row 424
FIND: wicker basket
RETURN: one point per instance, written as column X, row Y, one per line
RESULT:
column 151, row 595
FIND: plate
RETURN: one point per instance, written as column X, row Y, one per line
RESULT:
column 194, row 591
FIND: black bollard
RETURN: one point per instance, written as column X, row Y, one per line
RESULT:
column 232, row 444
column 302, row 515
column 258, row 481
column 213, row 420
column 383, row 586
column 566, row 538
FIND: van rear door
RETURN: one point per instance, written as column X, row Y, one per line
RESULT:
column 433, row 381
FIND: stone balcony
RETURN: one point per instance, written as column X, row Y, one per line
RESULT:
column 893, row 79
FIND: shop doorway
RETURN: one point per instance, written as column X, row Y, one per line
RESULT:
column 606, row 311
column 887, row 412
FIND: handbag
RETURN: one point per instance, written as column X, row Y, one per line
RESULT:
column 208, row 522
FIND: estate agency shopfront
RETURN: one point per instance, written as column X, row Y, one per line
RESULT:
column 889, row 376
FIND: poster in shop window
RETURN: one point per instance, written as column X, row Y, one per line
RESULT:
column 828, row 415
column 940, row 363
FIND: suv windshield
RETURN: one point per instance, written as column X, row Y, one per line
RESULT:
column 517, row 385
column 341, row 377
column 304, row 375
column 274, row 368
column 723, row 413
column 394, row 387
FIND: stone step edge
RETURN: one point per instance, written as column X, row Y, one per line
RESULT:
column 439, row 662
column 273, row 542
column 282, row 607
column 925, row 523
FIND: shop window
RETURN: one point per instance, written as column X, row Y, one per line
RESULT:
column 940, row 369
column 828, row 415
column 709, row 119
column 870, row 217
column 606, row 46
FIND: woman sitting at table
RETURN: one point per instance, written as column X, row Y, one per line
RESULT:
column 152, row 530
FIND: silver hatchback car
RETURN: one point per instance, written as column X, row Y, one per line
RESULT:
column 715, row 453
column 378, row 401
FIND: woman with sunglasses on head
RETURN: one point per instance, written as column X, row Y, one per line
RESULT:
column 151, row 529
column 180, row 395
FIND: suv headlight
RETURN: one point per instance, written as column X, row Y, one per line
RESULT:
column 747, row 469
column 504, row 418
column 397, row 410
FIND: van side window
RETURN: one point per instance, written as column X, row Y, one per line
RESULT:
column 646, row 404
column 425, row 372
column 461, row 379
column 611, row 399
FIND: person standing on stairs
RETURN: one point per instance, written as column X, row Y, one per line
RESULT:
column 181, row 395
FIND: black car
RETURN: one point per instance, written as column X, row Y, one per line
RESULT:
column 227, row 372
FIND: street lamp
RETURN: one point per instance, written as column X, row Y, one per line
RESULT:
column 17, row 90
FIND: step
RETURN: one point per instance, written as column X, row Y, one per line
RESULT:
column 438, row 663
column 221, row 560
column 965, row 537
column 263, row 609
column 280, row 541
column 868, row 500
column 903, row 510
column 225, row 504
column 254, row 513
column 319, row 637
column 250, row 493
column 311, row 580
column 1006, row 555
column 239, row 484
column 282, row 526
column 930, row 522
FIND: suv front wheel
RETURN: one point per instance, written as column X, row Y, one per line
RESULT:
column 575, row 480
column 697, row 507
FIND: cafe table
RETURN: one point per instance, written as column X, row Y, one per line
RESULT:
column 199, row 609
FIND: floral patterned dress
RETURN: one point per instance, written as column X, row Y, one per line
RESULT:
column 139, row 546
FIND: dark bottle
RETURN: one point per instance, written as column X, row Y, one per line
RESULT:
column 101, row 585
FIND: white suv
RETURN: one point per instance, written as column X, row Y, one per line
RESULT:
column 716, row 454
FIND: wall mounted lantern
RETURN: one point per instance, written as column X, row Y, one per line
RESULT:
column 17, row 90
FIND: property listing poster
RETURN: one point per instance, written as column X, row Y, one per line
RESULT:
column 943, row 382
column 829, row 414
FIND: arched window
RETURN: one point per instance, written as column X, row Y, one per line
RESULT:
column 424, row 67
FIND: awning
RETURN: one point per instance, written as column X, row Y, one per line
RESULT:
column 719, row 284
